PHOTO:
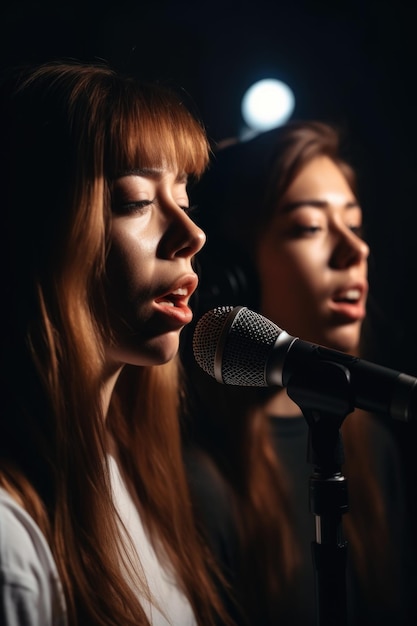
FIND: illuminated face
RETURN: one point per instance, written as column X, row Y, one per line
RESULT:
column 312, row 261
column 152, row 243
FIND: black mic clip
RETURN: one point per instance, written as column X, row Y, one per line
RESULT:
column 325, row 398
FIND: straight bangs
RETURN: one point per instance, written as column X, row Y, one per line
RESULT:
column 152, row 128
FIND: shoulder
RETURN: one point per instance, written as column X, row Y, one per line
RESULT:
column 214, row 505
column 204, row 476
column 211, row 494
column 384, row 443
column 23, row 547
column 384, row 454
column 30, row 588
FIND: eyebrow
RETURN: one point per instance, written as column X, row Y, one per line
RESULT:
column 319, row 204
column 151, row 172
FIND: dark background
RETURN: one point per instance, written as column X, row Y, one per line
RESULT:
column 350, row 62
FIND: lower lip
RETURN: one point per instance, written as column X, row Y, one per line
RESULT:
column 180, row 314
column 354, row 312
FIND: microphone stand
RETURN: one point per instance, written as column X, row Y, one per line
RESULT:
column 325, row 401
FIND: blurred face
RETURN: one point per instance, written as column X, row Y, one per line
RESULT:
column 312, row 262
column 151, row 279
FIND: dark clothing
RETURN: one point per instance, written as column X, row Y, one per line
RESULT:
column 213, row 502
column 215, row 508
column 291, row 440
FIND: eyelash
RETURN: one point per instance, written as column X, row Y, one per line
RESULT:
column 189, row 209
column 357, row 230
column 124, row 208
column 140, row 205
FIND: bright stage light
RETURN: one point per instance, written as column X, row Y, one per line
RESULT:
column 267, row 104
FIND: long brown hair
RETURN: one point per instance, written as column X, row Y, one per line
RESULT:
column 237, row 200
column 67, row 129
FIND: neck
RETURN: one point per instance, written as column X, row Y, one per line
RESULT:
column 109, row 381
column 281, row 405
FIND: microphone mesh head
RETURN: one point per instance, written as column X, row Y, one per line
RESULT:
column 243, row 351
column 207, row 335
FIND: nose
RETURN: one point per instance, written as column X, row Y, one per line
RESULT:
column 349, row 249
column 182, row 237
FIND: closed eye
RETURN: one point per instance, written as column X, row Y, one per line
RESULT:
column 357, row 230
column 125, row 208
column 189, row 209
column 300, row 231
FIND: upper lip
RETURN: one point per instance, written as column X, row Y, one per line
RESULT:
column 353, row 292
column 181, row 289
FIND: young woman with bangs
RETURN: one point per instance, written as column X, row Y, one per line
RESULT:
column 95, row 519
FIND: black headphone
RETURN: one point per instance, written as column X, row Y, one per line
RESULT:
column 227, row 276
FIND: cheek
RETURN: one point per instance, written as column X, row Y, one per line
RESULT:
column 277, row 279
column 285, row 266
column 290, row 282
column 129, row 250
column 128, row 268
column 292, row 260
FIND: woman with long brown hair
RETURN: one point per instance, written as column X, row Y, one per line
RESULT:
column 95, row 518
column 285, row 238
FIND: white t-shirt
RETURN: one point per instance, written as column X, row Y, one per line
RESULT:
column 175, row 608
column 30, row 589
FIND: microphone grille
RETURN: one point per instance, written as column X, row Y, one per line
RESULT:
column 207, row 335
column 244, row 349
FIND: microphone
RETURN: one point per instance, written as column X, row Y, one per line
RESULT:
column 237, row 346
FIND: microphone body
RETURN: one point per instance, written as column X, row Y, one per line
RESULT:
column 237, row 346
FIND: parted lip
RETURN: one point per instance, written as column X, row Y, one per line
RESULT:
column 352, row 292
column 180, row 291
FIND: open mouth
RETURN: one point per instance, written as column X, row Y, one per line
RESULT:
column 350, row 296
column 175, row 298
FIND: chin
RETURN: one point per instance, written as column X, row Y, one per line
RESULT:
column 343, row 340
column 155, row 351
column 164, row 348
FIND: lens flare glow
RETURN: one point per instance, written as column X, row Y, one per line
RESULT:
column 267, row 104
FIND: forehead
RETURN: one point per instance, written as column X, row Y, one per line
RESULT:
column 132, row 179
column 320, row 176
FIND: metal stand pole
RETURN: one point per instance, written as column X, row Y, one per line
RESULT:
column 324, row 399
